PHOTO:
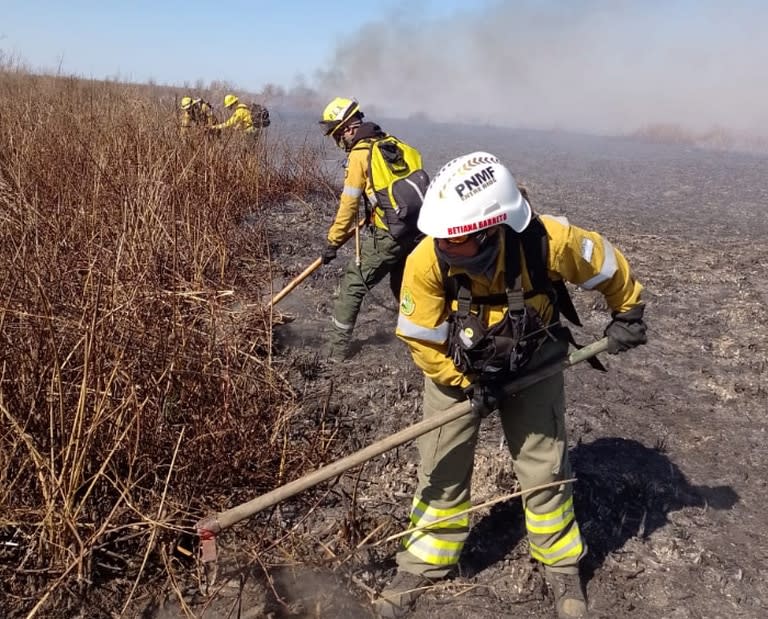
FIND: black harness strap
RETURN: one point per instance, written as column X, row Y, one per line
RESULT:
column 565, row 303
column 463, row 295
column 536, row 250
column 535, row 246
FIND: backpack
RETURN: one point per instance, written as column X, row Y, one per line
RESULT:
column 204, row 112
column 260, row 115
column 399, row 183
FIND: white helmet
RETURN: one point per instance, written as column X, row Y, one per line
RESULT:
column 469, row 194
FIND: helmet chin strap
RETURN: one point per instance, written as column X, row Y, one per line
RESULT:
column 344, row 141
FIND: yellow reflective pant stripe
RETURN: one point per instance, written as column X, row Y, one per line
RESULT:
column 422, row 514
column 550, row 522
column 433, row 550
column 570, row 545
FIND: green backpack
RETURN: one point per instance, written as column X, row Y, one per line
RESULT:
column 399, row 183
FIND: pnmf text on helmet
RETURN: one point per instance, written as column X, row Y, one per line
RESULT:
column 475, row 183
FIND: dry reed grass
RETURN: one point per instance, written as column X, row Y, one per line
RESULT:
column 131, row 393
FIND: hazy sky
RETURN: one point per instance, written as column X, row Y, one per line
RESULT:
column 248, row 42
column 595, row 65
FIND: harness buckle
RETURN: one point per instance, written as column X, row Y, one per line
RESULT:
column 515, row 300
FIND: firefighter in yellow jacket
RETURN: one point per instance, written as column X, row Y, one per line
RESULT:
column 381, row 254
column 196, row 113
column 240, row 118
column 478, row 308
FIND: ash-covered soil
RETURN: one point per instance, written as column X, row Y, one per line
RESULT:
column 668, row 447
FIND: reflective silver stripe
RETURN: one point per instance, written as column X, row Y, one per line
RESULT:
column 416, row 188
column 353, row 192
column 572, row 548
column 438, row 334
column 422, row 514
column 427, row 548
column 552, row 524
column 341, row 325
column 607, row 269
column 433, row 550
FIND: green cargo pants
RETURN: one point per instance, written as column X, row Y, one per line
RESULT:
column 534, row 425
column 380, row 255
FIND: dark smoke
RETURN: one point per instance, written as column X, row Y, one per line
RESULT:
column 600, row 66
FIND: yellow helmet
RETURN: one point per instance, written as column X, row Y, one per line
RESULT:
column 337, row 113
column 230, row 100
column 186, row 103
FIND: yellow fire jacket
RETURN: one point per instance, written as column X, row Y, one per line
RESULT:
column 186, row 119
column 240, row 119
column 356, row 182
column 576, row 255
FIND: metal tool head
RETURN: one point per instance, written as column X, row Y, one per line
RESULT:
column 207, row 529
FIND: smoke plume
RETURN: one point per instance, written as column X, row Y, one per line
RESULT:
column 600, row 66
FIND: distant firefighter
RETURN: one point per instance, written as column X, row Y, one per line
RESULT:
column 196, row 113
column 248, row 118
column 240, row 118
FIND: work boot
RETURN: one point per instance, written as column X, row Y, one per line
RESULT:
column 398, row 597
column 338, row 344
column 337, row 352
column 569, row 595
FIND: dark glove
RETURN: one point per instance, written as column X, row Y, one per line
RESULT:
column 484, row 398
column 626, row 330
column 329, row 253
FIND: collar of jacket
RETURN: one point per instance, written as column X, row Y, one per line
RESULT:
column 367, row 131
column 483, row 266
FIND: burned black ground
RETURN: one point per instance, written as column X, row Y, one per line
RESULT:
column 668, row 447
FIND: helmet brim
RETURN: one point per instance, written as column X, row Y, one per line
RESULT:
column 436, row 228
column 329, row 126
column 522, row 218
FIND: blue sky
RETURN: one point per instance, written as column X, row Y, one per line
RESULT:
column 249, row 43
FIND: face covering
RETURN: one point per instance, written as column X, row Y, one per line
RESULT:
column 482, row 263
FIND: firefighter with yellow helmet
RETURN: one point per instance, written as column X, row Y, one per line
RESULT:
column 196, row 113
column 240, row 118
column 480, row 305
column 392, row 234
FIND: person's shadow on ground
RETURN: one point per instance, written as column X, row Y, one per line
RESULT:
column 623, row 490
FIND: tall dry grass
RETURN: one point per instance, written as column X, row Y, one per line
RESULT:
column 131, row 391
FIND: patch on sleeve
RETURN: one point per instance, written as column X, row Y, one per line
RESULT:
column 407, row 304
column 587, row 247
